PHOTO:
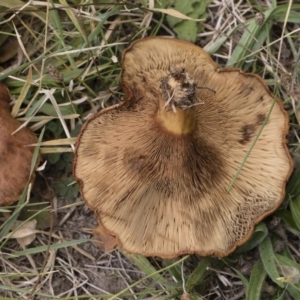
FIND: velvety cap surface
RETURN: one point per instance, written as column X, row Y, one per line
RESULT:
column 15, row 157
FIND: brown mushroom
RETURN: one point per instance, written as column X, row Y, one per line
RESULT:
column 15, row 158
column 157, row 168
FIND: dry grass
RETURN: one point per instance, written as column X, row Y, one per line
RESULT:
column 60, row 60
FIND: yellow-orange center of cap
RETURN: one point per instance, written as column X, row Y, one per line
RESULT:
column 179, row 122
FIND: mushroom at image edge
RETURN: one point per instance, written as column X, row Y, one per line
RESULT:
column 15, row 157
column 156, row 168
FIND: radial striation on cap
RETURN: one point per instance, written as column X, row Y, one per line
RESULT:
column 156, row 168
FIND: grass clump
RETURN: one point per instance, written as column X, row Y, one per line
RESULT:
column 61, row 62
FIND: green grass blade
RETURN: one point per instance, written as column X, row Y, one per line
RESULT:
column 293, row 186
column 146, row 277
column 295, row 210
column 214, row 46
column 59, row 32
column 145, row 266
column 268, row 259
column 72, row 17
column 40, row 249
column 243, row 279
column 292, row 281
column 256, row 282
column 198, row 273
column 22, row 96
column 288, row 219
column 246, row 45
column 279, row 13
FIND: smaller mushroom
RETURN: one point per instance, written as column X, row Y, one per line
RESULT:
column 15, row 158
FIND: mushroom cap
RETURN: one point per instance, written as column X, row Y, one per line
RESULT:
column 165, row 194
column 15, row 158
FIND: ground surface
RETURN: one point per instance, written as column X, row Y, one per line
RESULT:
column 60, row 60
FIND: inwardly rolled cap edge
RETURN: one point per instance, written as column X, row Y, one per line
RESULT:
column 15, row 156
column 156, row 168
